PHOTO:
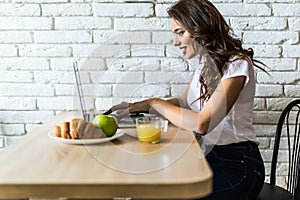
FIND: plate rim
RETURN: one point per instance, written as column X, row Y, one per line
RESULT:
column 118, row 134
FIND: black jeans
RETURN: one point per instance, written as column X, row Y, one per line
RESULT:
column 238, row 171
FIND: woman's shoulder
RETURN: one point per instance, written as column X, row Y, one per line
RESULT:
column 238, row 61
column 237, row 66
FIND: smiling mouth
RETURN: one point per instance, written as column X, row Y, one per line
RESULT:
column 183, row 49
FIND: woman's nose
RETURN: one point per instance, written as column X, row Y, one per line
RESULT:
column 176, row 42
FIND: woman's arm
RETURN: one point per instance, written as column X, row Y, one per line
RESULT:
column 202, row 122
column 124, row 108
column 182, row 100
column 210, row 116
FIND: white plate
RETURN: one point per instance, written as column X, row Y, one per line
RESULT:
column 119, row 133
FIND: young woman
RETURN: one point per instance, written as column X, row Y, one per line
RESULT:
column 218, row 103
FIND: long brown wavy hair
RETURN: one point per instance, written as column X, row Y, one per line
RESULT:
column 210, row 30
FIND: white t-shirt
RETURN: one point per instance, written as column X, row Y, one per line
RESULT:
column 237, row 124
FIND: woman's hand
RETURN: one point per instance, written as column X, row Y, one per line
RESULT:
column 119, row 107
column 125, row 108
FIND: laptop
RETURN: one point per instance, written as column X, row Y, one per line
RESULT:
column 125, row 122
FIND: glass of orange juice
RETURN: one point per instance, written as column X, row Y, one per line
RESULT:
column 149, row 129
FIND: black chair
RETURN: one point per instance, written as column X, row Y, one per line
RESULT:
column 288, row 127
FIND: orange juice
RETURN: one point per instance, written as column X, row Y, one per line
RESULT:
column 148, row 133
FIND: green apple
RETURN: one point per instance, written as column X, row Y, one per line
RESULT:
column 107, row 123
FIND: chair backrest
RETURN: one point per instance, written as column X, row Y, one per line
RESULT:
column 288, row 127
column 297, row 191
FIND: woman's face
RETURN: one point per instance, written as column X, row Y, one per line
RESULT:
column 182, row 39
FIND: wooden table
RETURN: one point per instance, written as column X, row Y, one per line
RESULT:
column 38, row 166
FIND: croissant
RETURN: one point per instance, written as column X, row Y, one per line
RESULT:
column 57, row 131
column 78, row 129
column 84, row 130
column 65, row 130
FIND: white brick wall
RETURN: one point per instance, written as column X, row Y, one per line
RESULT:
column 127, row 48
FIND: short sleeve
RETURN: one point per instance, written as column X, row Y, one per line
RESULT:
column 238, row 67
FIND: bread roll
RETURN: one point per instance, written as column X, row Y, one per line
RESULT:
column 78, row 129
column 80, row 126
column 73, row 130
column 86, row 130
column 65, row 130
column 57, row 131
